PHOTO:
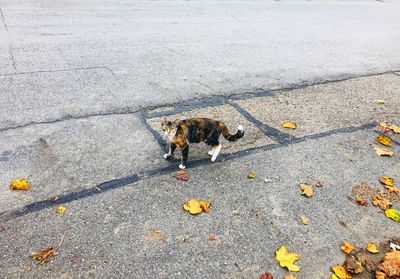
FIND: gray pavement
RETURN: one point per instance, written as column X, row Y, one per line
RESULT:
column 84, row 85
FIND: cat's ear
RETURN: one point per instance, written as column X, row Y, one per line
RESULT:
column 176, row 122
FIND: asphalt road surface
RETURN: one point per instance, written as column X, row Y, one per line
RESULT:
column 83, row 87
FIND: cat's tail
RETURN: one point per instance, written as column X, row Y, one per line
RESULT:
column 239, row 134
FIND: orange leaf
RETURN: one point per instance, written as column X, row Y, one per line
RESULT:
column 289, row 125
column 380, row 201
column 347, row 247
column 266, row 275
column 384, row 140
column 386, row 180
column 341, row 272
column 44, row 255
column 362, row 202
column 371, row 247
column 22, row 184
column 182, row 175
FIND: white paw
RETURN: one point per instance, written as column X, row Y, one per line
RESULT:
column 166, row 156
column 213, row 159
column 240, row 128
column 210, row 152
column 182, row 167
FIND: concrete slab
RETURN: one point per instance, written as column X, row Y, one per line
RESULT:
column 253, row 137
column 110, row 235
column 324, row 107
column 72, row 155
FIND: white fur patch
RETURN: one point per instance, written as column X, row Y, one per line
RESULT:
column 240, row 128
column 166, row 156
column 182, row 167
column 210, row 152
column 216, row 152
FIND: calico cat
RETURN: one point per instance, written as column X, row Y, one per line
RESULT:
column 181, row 133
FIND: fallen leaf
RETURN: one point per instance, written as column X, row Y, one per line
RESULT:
column 213, row 237
column 380, row 275
column 393, row 214
column 385, row 140
column 289, row 125
column 362, row 202
column 383, row 152
column 205, row 206
column 390, row 267
column 196, row 207
column 386, row 180
column 380, row 201
column 56, row 199
column 392, row 189
column 341, row 272
column 347, row 247
column 384, row 127
column 22, row 184
column 334, row 276
column 304, row 220
column 2, row 229
column 353, row 265
column 319, row 184
column 61, row 209
column 395, row 129
column 182, row 175
column 290, row 276
column 157, row 235
column 266, row 275
column 380, row 101
column 307, row 190
column 287, row 259
column 44, row 255
column 371, row 247
column 252, row 175
column 394, row 255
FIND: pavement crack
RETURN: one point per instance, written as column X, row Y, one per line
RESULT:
column 3, row 19
column 12, row 59
column 61, row 70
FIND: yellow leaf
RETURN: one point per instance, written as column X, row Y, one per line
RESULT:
column 290, row 276
column 22, row 184
column 380, row 275
column 393, row 214
column 334, row 276
column 384, row 140
column 383, row 152
column 196, row 207
column 287, row 259
column 394, row 255
column 386, row 180
column 252, row 175
column 289, row 125
column 395, row 129
column 371, row 247
column 341, row 272
column 61, row 209
column 44, row 255
column 304, row 220
column 307, row 190
column 380, row 101
column 347, row 247
column 205, row 206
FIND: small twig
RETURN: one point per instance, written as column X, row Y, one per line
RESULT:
column 62, row 239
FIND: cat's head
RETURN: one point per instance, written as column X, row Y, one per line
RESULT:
column 169, row 127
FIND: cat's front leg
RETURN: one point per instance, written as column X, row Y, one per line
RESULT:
column 171, row 150
column 185, row 153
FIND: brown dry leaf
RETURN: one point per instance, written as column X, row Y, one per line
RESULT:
column 353, row 265
column 383, row 152
column 341, row 272
column 196, row 207
column 319, row 184
column 371, row 247
column 392, row 189
column 22, row 184
column 362, row 202
column 266, row 275
column 158, row 235
column 44, row 255
column 390, row 267
column 394, row 255
column 380, row 201
column 182, row 175
column 213, row 237
column 55, row 199
column 290, row 276
column 385, row 140
column 307, row 190
column 304, row 220
column 287, row 259
column 289, row 125
column 347, row 247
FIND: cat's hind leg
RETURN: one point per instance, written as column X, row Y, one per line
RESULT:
column 185, row 153
column 215, row 152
